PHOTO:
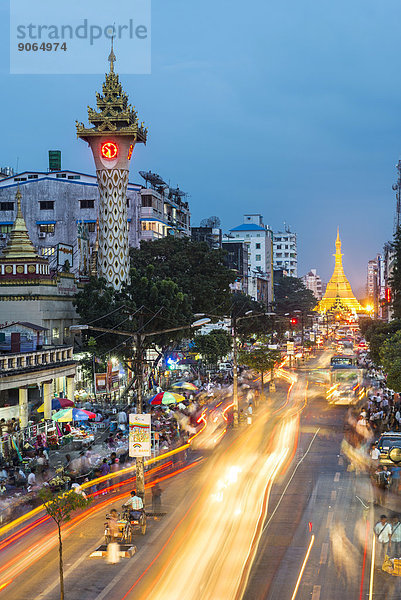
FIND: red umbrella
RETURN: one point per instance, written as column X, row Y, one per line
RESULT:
column 156, row 400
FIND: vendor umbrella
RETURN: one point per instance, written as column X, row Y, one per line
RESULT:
column 72, row 414
column 165, row 398
column 184, row 385
column 58, row 403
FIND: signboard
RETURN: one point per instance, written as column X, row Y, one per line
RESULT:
column 312, row 336
column 273, row 346
column 101, row 383
column 290, row 348
column 83, row 248
column 65, row 252
column 140, row 442
column 54, row 160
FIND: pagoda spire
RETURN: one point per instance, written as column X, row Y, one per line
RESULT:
column 19, row 243
column 338, row 291
column 112, row 57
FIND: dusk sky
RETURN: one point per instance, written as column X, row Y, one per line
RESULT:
column 291, row 109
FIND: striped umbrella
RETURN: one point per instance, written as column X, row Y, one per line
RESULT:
column 58, row 403
column 72, row 414
column 184, row 385
column 166, row 398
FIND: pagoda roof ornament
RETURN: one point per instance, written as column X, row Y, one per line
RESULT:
column 114, row 114
column 19, row 243
column 339, row 294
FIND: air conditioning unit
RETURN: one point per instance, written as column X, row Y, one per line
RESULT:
column 42, row 235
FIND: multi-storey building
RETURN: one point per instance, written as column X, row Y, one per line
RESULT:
column 258, row 238
column 211, row 235
column 313, row 282
column 237, row 260
column 285, row 255
column 371, row 279
column 55, row 205
column 163, row 210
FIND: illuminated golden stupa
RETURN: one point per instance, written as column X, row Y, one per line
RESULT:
column 338, row 295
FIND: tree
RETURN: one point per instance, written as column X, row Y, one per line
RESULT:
column 290, row 295
column 390, row 355
column 59, row 507
column 376, row 333
column 395, row 280
column 261, row 360
column 199, row 271
column 213, row 346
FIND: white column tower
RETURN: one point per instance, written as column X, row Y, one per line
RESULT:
column 112, row 138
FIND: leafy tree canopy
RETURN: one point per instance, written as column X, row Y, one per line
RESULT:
column 260, row 359
column 199, row 272
column 214, row 345
column 376, row 333
column 390, row 358
column 290, row 294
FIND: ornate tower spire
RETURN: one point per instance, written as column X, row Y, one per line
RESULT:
column 112, row 138
column 338, row 292
column 19, row 243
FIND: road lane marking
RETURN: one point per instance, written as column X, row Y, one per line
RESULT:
column 337, row 477
column 289, row 481
column 341, row 461
column 324, row 553
column 329, row 519
column 333, row 496
column 316, row 592
column 303, row 567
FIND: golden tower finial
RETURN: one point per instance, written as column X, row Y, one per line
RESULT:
column 19, row 243
column 112, row 57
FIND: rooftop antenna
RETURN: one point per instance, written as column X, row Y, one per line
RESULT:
column 397, row 189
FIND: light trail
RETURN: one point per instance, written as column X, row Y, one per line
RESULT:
column 372, row 567
column 364, row 559
column 228, row 514
column 303, row 567
column 18, row 565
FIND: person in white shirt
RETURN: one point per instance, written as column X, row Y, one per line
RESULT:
column 31, row 481
column 135, row 505
column 375, row 452
column 383, row 532
column 396, row 538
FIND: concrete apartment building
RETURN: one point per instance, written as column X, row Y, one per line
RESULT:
column 313, row 282
column 285, row 254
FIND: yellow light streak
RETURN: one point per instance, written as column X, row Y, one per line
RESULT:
column 372, row 567
column 303, row 567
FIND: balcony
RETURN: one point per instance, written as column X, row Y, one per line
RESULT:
column 52, row 357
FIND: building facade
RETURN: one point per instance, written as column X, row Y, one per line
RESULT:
column 55, row 206
column 211, row 235
column 285, row 253
column 371, row 279
column 313, row 282
column 237, row 257
column 258, row 238
column 163, row 212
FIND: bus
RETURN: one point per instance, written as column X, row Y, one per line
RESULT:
column 342, row 361
column 345, row 379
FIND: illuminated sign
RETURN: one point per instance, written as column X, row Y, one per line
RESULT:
column 130, row 150
column 109, row 150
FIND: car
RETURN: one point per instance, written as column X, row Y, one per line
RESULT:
column 389, row 446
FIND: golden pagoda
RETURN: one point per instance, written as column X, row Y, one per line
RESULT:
column 338, row 295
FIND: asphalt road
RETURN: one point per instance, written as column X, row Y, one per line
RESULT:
column 239, row 521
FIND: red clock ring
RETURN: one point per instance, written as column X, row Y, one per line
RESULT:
column 109, row 150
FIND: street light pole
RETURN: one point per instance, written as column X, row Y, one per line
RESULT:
column 140, row 465
column 235, row 373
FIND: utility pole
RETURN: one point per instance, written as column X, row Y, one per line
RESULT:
column 235, row 371
column 140, row 464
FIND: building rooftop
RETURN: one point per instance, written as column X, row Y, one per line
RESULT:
column 250, row 227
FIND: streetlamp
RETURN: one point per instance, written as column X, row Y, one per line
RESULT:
column 139, row 338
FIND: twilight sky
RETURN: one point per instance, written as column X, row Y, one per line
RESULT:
column 290, row 109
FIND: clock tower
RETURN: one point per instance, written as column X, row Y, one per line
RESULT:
column 112, row 138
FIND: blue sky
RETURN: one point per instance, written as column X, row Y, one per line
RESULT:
column 290, row 109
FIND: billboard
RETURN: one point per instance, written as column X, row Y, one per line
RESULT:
column 140, row 443
column 65, row 252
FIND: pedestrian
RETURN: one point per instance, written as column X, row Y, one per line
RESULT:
column 156, row 498
column 113, row 549
column 396, row 537
column 383, row 534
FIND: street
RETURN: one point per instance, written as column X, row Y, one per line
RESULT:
column 238, row 521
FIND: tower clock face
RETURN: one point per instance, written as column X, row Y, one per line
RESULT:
column 109, row 150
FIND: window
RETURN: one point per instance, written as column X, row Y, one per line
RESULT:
column 87, row 203
column 147, row 201
column 257, row 246
column 5, row 228
column 91, row 227
column 32, row 176
column 258, row 235
column 127, row 202
column 278, row 246
column 61, row 175
column 6, row 205
column 74, row 176
column 55, row 333
column 258, row 257
column 247, row 235
column 47, row 228
column 46, row 205
column 67, row 332
column 48, row 251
